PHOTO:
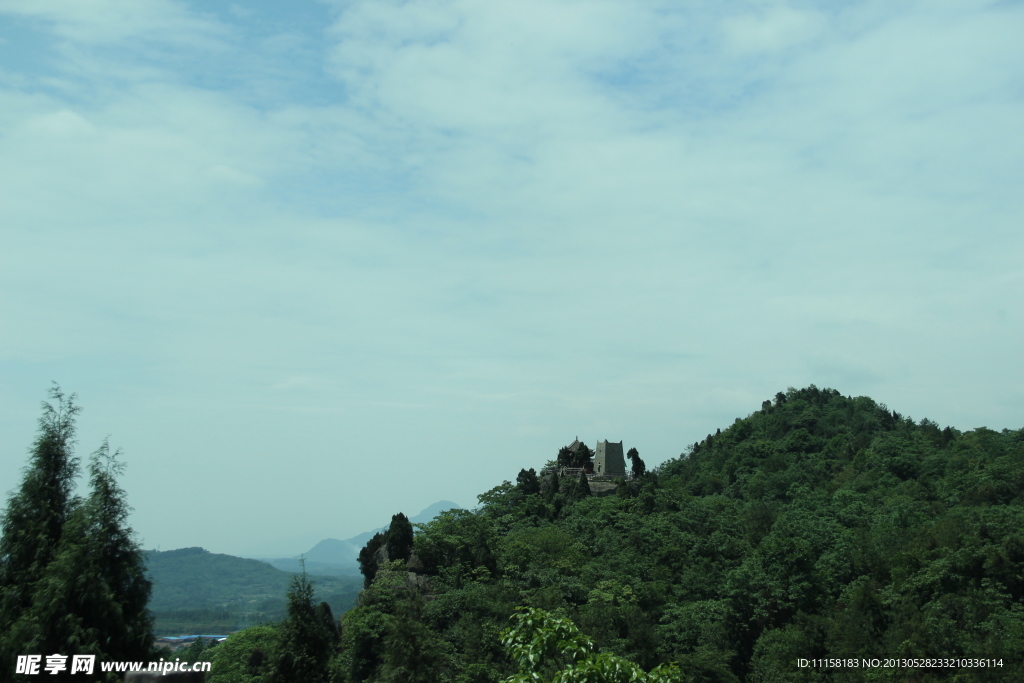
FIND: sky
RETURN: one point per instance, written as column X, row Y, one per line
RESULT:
column 311, row 264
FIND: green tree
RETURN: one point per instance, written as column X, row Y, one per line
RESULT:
column 569, row 488
column 413, row 653
column 577, row 455
column 368, row 564
column 455, row 543
column 33, row 522
column 527, row 481
column 33, row 525
column 363, row 632
column 247, row 656
column 93, row 597
column 307, row 637
column 549, row 648
column 551, row 487
column 200, row 650
column 399, row 538
column 85, row 590
column 121, row 621
column 583, row 488
column 639, row 468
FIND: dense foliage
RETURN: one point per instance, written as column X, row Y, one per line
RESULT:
column 545, row 647
column 72, row 578
column 395, row 543
column 818, row 526
column 307, row 637
column 577, row 454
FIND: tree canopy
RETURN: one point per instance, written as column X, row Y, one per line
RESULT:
column 306, row 638
column 638, row 466
column 821, row 525
column 577, row 454
column 72, row 576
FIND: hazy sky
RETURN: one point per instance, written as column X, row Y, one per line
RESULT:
column 313, row 263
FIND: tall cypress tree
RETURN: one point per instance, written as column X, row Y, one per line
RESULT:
column 569, row 488
column 85, row 591
column 119, row 616
column 399, row 538
column 33, row 524
column 308, row 636
column 368, row 558
column 551, row 485
column 583, row 487
column 639, row 468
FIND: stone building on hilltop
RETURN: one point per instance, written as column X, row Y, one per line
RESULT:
column 609, row 460
column 606, row 463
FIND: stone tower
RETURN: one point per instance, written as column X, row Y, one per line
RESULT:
column 608, row 460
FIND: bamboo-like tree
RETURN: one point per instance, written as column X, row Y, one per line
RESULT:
column 33, row 523
column 85, row 589
column 308, row 636
column 120, row 618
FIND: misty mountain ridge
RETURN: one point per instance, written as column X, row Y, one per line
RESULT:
column 335, row 557
column 196, row 591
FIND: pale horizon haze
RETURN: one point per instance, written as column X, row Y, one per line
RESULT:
column 315, row 263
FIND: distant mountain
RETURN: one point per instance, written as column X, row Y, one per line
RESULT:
column 333, row 551
column 339, row 558
column 195, row 577
column 197, row 591
column 428, row 513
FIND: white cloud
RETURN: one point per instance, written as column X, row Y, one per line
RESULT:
column 110, row 21
column 772, row 29
column 454, row 222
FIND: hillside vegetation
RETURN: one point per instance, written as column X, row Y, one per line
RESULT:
column 196, row 591
column 818, row 526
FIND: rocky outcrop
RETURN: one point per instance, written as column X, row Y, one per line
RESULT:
column 603, row 488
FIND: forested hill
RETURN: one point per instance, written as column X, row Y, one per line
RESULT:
column 818, row 526
column 196, row 591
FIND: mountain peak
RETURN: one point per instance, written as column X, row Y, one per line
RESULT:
column 341, row 554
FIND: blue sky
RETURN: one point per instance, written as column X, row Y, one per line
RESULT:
column 313, row 264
